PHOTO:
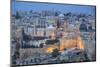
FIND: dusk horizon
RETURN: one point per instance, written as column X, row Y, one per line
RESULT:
column 36, row 6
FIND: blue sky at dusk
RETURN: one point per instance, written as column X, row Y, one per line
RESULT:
column 27, row 6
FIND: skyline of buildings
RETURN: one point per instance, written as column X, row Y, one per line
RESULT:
column 64, row 8
column 52, row 36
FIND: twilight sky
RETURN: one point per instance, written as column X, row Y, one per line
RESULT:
column 27, row 6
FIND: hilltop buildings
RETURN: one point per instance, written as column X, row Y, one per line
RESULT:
column 63, row 31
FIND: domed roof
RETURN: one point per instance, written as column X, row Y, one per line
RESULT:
column 50, row 27
column 61, row 15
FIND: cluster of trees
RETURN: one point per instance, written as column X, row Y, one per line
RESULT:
column 55, row 53
column 72, row 56
column 28, row 38
column 84, row 27
column 32, row 46
column 52, row 41
column 16, row 54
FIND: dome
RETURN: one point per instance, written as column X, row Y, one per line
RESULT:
column 50, row 27
column 61, row 15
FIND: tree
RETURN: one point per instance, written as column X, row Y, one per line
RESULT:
column 56, row 13
column 41, row 45
column 83, row 27
column 52, row 41
column 18, row 15
column 58, row 24
column 90, row 28
column 16, row 53
column 25, row 37
column 55, row 53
